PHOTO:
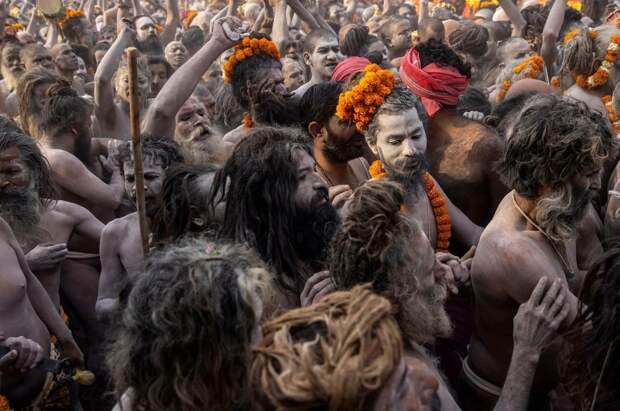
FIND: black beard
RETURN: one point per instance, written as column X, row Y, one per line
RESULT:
column 274, row 109
column 338, row 151
column 151, row 46
column 20, row 208
column 315, row 228
column 408, row 172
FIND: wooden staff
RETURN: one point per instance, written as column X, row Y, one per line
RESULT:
column 136, row 145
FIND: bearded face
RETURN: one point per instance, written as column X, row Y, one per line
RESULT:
column 11, row 66
column 193, row 133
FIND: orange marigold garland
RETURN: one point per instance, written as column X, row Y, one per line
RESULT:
column 530, row 67
column 439, row 204
column 611, row 112
column 70, row 15
column 4, row 404
column 362, row 102
column 249, row 47
column 247, row 120
column 601, row 75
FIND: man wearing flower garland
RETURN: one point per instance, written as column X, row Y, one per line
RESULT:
column 459, row 150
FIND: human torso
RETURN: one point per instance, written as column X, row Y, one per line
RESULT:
column 491, row 345
column 130, row 246
column 356, row 175
column 418, row 205
column 458, row 157
column 19, row 319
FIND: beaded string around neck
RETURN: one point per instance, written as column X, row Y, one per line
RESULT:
column 439, row 204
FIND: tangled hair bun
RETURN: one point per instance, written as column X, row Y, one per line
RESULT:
column 337, row 354
column 470, row 39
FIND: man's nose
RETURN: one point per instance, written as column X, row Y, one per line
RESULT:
column 596, row 182
column 410, row 149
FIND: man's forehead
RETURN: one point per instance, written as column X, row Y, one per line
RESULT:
column 327, row 41
column 143, row 21
column 10, row 154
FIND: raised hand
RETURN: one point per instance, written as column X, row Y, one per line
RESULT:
column 539, row 318
column 227, row 31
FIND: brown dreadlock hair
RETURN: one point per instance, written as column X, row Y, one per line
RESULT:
column 336, row 354
column 593, row 351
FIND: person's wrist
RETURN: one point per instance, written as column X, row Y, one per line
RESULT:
column 526, row 354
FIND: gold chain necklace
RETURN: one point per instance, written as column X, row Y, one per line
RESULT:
column 567, row 267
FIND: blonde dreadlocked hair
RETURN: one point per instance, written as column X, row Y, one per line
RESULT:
column 336, row 354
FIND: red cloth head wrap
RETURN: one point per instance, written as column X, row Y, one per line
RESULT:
column 348, row 67
column 435, row 85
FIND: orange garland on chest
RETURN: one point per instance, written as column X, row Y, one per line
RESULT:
column 438, row 201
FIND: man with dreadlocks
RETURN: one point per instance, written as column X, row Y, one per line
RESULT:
column 31, row 92
column 381, row 246
column 552, row 162
column 186, row 337
column 122, row 256
column 255, row 74
column 278, row 204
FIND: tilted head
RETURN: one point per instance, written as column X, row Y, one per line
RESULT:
column 321, row 53
column 277, row 203
column 294, row 74
column 431, row 28
column 396, row 33
column 377, row 244
column 121, row 80
column 32, row 98
column 184, row 203
column 157, row 155
column 176, row 54
column 197, row 297
column 338, row 139
column 35, row 55
column 555, row 157
column 64, row 58
column 343, row 353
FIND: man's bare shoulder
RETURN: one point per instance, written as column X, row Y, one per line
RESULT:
column 120, row 227
column 73, row 213
column 61, row 159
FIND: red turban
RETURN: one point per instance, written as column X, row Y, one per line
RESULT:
column 435, row 85
column 348, row 67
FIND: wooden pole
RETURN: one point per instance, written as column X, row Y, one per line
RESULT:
column 136, row 145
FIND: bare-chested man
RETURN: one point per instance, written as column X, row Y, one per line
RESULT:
column 11, row 68
column 112, row 80
column 460, row 151
column 42, row 226
column 122, row 258
column 66, row 62
column 26, row 310
column 552, row 162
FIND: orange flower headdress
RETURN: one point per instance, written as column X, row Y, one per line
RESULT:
column 189, row 17
column 529, row 68
column 362, row 102
column 249, row 47
column 70, row 15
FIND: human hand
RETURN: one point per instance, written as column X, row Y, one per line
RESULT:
column 24, row 354
column 72, row 352
column 228, row 31
column 338, row 195
column 474, row 115
column 317, row 286
column 127, row 29
column 111, row 163
column 46, row 256
column 539, row 318
column 443, row 272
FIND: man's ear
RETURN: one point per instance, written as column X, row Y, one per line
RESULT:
column 306, row 57
column 314, row 129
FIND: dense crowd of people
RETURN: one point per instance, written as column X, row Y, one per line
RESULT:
column 340, row 206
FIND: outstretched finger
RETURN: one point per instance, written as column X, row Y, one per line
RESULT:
column 551, row 294
column 559, row 303
column 539, row 290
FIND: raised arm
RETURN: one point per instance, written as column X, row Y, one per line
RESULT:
column 551, row 31
column 305, row 15
column 172, row 22
column 159, row 118
column 423, row 12
column 85, row 223
column 137, row 8
column 513, row 13
column 535, row 326
column 104, row 90
column 112, row 273
column 279, row 33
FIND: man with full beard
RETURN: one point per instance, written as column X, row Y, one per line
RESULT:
column 122, row 258
column 552, row 162
column 11, row 68
column 338, row 146
column 381, row 246
column 279, row 205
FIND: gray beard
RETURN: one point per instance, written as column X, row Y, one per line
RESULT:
column 422, row 316
column 10, row 79
column 20, row 209
column 199, row 149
